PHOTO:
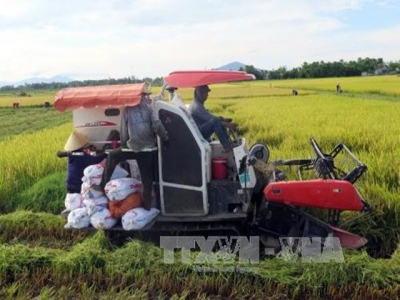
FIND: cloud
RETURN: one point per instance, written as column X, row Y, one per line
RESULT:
column 386, row 3
column 116, row 38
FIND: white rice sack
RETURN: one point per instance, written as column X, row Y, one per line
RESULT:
column 102, row 219
column 94, row 204
column 138, row 218
column 78, row 218
column 93, row 173
column 119, row 172
column 119, row 189
column 85, row 188
column 95, row 194
column 73, row 201
column 88, row 192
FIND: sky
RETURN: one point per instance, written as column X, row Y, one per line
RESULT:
column 100, row 39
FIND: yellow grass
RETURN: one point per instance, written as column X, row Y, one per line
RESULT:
column 36, row 98
column 269, row 114
column 27, row 158
column 370, row 127
column 389, row 85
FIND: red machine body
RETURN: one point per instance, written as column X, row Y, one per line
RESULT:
column 319, row 193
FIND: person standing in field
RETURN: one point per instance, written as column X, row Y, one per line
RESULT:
column 139, row 127
column 78, row 151
column 207, row 122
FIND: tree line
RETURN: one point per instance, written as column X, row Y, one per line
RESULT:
column 158, row 81
column 319, row 69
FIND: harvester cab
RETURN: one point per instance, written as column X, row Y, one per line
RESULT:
column 204, row 189
column 197, row 177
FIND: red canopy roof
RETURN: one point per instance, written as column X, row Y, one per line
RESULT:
column 182, row 79
column 100, row 96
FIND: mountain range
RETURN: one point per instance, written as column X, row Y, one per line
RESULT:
column 233, row 66
column 58, row 78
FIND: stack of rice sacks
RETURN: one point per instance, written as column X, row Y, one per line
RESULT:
column 90, row 206
column 125, row 195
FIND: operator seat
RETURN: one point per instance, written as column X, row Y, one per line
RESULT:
column 185, row 166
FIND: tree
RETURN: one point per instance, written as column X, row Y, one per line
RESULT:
column 394, row 66
column 259, row 74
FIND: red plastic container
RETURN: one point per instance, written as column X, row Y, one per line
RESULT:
column 219, row 168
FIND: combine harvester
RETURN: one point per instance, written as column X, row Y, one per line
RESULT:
column 252, row 196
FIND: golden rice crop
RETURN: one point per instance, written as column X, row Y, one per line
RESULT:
column 27, row 158
column 36, row 98
column 370, row 126
column 382, row 85
column 267, row 114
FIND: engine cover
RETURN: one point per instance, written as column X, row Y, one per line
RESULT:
column 319, row 193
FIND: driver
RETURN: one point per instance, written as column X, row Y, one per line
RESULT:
column 207, row 122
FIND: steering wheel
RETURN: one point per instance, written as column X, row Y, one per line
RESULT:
column 234, row 134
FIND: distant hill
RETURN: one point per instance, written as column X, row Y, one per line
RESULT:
column 58, row 78
column 233, row 66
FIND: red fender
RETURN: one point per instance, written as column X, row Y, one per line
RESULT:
column 319, row 193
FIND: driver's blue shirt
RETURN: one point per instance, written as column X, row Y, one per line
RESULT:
column 199, row 113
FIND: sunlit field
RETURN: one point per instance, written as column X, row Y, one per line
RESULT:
column 37, row 97
column 379, row 85
column 38, row 258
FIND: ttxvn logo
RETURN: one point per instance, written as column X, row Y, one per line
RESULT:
column 241, row 253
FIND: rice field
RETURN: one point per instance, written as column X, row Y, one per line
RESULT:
column 371, row 85
column 37, row 97
column 38, row 258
